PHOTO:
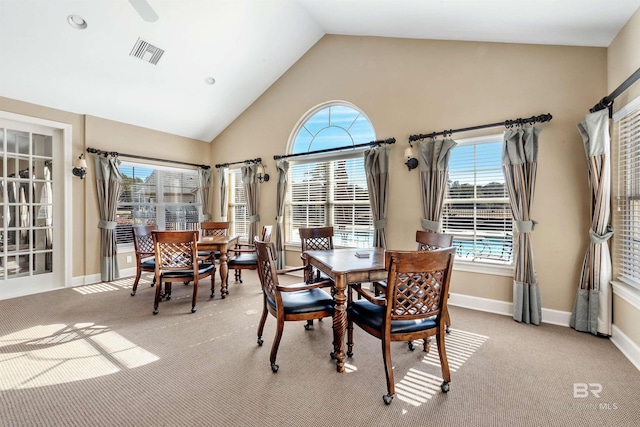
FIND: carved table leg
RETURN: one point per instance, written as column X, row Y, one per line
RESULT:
column 224, row 272
column 339, row 321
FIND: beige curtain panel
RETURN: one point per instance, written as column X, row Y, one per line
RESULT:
column 281, row 191
column 592, row 306
column 222, row 186
column 519, row 164
column 250, row 183
column 109, row 187
column 376, row 166
column 434, row 174
column 204, row 189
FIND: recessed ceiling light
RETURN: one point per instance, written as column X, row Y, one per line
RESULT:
column 209, row 80
column 77, row 22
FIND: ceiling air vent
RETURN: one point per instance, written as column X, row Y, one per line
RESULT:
column 146, row 51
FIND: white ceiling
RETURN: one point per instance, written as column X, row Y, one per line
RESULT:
column 246, row 45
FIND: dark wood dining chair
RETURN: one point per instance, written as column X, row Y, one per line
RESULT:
column 315, row 239
column 145, row 255
column 303, row 301
column 213, row 228
column 412, row 307
column 427, row 241
column 177, row 260
column 245, row 257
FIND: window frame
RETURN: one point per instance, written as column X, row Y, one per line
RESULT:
column 160, row 204
column 234, row 179
column 479, row 265
column 623, row 251
column 292, row 242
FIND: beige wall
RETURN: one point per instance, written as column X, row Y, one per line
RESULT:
column 418, row 86
column 623, row 60
column 106, row 135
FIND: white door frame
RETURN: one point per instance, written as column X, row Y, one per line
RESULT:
column 63, row 245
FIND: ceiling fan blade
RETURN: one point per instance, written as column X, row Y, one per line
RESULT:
column 144, row 10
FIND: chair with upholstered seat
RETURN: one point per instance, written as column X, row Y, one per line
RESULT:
column 177, row 260
column 145, row 255
column 213, row 228
column 412, row 307
column 245, row 257
column 303, row 301
column 427, row 241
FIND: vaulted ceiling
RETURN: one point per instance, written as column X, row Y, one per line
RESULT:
column 243, row 45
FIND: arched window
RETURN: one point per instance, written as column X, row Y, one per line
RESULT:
column 330, row 189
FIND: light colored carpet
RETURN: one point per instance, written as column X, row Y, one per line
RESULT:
column 95, row 356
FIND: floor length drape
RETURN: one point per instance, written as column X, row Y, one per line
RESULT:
column 592, row 307
column 519, row 164
column 376, row 167
column 204, row 189
column 250, row 183
column 108, row 186
column 434, row 175
column 283, row 173
column 222, row 186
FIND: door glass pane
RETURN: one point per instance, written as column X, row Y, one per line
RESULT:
column 42, row 145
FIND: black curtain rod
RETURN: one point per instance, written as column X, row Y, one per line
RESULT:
column 133, row 156
column 607, row 101
column 247, row 162
column 328, row 150
column 507, row 123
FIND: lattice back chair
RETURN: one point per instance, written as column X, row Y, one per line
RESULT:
column 245, row 257
column 177, row 261
column 316, row 239
column 213, row 228
column 303, row 301
column 145, row 255
column 413, row 306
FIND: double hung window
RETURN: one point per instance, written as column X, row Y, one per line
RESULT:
column 238, row 205
column 155, row 195
column 627, row 215
column 476, row 207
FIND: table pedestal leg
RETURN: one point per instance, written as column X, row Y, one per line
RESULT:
column 224, row 272
column 339, row 322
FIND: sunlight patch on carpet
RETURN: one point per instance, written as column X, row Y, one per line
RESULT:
column 46, row 355
column 417, row 386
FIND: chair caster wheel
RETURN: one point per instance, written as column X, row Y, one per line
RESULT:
column 155, row 311
column 153, row 284
column 308, row 326
column 260, row 342
column 349, row 353
column 193, row 309
column 333, row 355
column 274, row 368
column 447, row 329
column 211, row 296
column 133, row 293
column 445, row 387
column 186, row 283
column 388, row 398
column 411, row 346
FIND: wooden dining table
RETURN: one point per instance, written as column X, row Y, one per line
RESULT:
column 345, row 268
column 222, row 244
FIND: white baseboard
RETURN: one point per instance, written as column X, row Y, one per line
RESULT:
column 554, row 317
column 626, row 346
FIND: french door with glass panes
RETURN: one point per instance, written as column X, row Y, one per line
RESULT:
column 27, row 236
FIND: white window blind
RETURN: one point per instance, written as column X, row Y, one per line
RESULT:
column 628, row 213
column 476, row 208
column 238, row 205
column 153, row 195
column 332, row 193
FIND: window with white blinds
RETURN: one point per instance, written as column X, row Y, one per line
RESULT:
column 155, row 195
column 330, row 190
column 238, row 205
column 331, row 193
column 476, row 207
column 627, row 231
